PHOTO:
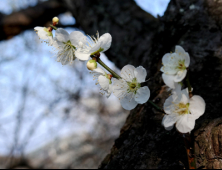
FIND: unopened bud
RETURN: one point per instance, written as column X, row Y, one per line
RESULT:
column 91, row 65
column 55, row 20
column 109, row 76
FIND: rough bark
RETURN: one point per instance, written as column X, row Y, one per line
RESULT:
column 140, row 39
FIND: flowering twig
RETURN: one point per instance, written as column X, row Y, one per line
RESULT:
column 55, row 28
column 107, row 68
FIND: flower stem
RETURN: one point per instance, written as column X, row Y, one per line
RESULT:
column 108, row 69
column 55, row 28
column 188, row 82
column 157, row 107
column 189, row 85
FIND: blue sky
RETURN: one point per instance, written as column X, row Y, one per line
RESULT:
column 155, row 8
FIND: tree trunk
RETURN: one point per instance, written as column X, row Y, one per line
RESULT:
column 141, row 39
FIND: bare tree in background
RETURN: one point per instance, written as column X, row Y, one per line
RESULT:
column 141, row 39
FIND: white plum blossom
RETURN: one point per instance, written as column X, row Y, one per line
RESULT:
column 104, row 80
column 178, row 87
column 183, row 111
column 129, row 90
column 67, row 44
column 94, row 46
column 45, row 34
column 175, row 66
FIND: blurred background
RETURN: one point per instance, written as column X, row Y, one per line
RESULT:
column 53, row 116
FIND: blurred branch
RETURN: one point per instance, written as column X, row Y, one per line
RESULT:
column 4, row 60
column 39, row 15
column 129, row 25
column 119, row 18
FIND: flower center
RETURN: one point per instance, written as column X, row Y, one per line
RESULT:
column 68, row 45
column 48, row 32
column 133, row 86
column 109, row 76
column 181, row 65
column 182, row 108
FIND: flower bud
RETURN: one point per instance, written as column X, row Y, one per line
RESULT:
column 91, row 64
column 55, row 20
column 109, row 76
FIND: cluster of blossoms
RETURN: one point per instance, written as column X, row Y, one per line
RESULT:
column 127, row 87
column 182, row 107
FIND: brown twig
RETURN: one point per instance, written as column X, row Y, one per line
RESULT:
column 190, row 151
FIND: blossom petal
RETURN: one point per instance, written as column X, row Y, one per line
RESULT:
column 165, row 58
column 169, row 128
column 162, row 69
column 62, row 35
column 99, row 70
column 187, row 60
column 76, row 37
column 41, row 33
column 197, row 106
column 95, row 47
column 140, row 74
column 169, row 121
column 38, row 28
column 185, row 96
column 120, row 88
column 109, row 91
column 177, row 89
column 128, row 102
column 169, row 80
column 170, row 70
column 171, row 59
column 82, row 56
column 51, row 41
column 103, row 82
column 180, row 76
column 179, row 50
column 142, row 95
column 127, row 73
column 186, row 123
column 182, row 53
column 167, row 104
column 63, row 59
column 106, row 40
